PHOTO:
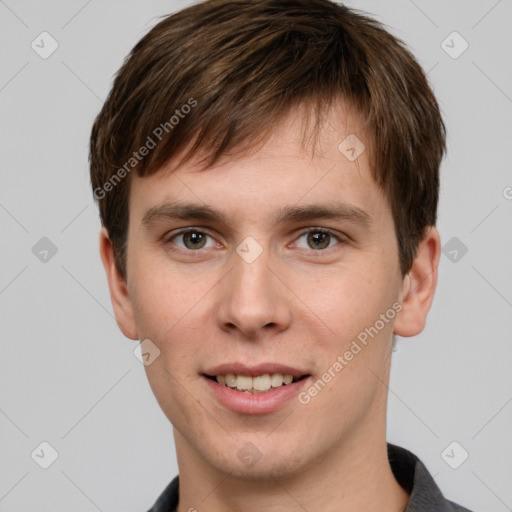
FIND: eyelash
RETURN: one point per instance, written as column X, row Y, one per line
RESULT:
column 339, row 237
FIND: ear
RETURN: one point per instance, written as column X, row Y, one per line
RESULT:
column 419, row 286
column 121, row 301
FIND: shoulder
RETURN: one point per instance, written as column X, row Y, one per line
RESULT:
column 168, row 500
column 458, row 508
column 414, row 477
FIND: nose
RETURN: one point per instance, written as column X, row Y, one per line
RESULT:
column 254, row 300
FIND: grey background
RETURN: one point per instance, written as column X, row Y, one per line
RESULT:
column 70, row 378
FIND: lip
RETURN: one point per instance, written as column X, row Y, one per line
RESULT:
column 255, row 403
column 254, row 371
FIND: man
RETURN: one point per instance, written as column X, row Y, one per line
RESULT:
column 267, row 174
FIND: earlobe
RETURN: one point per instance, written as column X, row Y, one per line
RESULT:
column 119, row 296
column 419, row 286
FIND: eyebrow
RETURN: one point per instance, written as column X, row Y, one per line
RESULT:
column 170, row 210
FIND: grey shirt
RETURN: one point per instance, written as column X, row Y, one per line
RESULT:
column 409, row 472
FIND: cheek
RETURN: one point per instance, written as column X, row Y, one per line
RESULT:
column 165, row 300
column 350, row 300
column 360, row 309
column 176, row 398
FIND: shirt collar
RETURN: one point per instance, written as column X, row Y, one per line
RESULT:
column 414, row 477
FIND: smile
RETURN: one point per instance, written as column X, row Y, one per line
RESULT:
column 258, row 384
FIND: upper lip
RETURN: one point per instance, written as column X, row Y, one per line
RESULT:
column 255, row 370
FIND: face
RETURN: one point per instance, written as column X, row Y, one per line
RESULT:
column 261, row 288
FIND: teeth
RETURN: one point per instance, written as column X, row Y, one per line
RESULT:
column 230, row 380
column 276, row 380
column 262, row 382
column 243, row 383
column 258, row 384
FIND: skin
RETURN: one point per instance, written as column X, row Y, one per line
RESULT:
column 295, row 304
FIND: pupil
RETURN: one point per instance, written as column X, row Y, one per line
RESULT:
column 319, row 237
column 195, row 237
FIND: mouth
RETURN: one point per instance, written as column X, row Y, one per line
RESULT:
column 257, row 384
column 260, row 389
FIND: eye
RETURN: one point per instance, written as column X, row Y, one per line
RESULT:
column 192, row 239
column 319, row 238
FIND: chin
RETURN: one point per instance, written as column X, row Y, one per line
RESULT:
column 258, row 459
column 263, row 470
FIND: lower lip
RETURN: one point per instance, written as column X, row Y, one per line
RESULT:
column 255, row 403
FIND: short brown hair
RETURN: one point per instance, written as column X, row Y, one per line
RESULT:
column 240, row 66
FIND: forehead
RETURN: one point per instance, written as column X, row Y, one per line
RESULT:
column 287, row 170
